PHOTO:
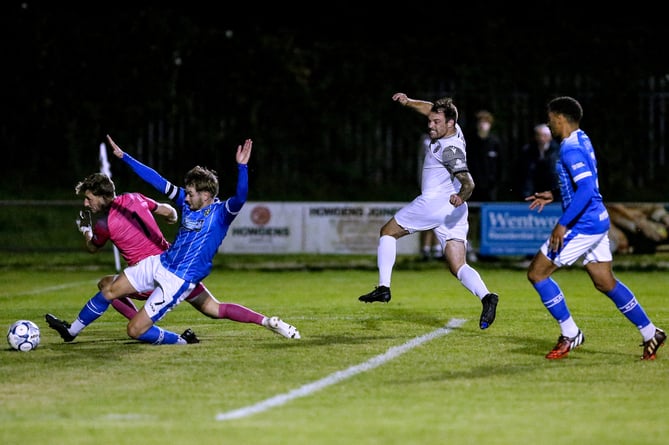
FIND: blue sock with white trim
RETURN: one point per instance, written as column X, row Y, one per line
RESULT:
column 628, row 305
column 553, row 299
column 93, row 309
column 159, row 336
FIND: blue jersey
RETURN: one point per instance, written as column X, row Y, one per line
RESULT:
column 201, row 232
column 582, row 205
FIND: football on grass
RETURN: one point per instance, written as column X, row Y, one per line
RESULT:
column 23, row 335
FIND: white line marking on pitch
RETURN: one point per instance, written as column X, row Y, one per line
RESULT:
column 43, row 290
column 338, row 376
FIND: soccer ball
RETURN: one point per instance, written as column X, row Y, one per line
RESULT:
column 23, row 335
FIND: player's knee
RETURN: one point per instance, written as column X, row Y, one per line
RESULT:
column 105, row 282
column 535, row 276
column 133, row 331
column 110, row 294
column 605, row 286
column 115, row 290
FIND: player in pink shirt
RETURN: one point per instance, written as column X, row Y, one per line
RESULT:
column 127, row 220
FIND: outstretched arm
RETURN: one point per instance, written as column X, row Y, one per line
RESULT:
column 146, row 173
column 421, row 106
column 236, row 202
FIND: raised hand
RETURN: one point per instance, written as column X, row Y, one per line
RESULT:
column 244, row 152
column 117, row 150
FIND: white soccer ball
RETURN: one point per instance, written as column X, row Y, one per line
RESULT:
column 23, row 335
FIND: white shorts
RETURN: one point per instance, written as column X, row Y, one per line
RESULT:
column 168, row 289
column 425, row 213
column 593, row 248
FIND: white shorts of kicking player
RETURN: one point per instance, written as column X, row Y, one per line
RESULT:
column 425, row 213
column 168, row 290
column 593, row 248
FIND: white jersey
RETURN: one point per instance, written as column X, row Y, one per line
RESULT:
column 432, row 210
column 436, row 179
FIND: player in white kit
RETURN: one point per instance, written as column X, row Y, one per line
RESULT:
column 445, row 187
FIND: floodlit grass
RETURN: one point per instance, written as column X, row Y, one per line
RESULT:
column 465, row 386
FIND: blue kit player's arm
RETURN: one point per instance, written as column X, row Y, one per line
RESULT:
column 236, row 202
column 584, row 186
column 154, row 179
column 149, row 175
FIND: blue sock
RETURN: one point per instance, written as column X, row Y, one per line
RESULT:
column 553, row 299
column 93, row 309
column 628, row 305
column 159, row 336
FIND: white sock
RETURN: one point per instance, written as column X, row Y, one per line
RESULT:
column 568, row 328
column 76, row 327
column 385, row 259
column 648, row 332
column 471, row 279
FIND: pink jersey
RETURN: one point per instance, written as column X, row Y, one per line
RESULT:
column 131, row 227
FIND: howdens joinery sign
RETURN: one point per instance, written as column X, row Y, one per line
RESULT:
column 313, row 227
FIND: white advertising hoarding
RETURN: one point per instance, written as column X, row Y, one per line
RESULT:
column 313, row 227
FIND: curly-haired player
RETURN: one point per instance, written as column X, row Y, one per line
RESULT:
column 127, row 220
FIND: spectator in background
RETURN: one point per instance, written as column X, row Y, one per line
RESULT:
column 430, row 249
column 483, row 157
column 536, row 165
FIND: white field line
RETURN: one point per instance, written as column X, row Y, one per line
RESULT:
column 47, row 289
column 338, row 376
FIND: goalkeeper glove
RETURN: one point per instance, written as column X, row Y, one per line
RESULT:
column 85, row 224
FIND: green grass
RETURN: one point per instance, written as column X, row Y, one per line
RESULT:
column 464, row 387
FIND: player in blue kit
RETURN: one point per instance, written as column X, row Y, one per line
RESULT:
column 173, row 274
column 581, row 231
column 127, row 220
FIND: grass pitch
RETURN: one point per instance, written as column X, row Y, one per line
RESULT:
column 361, row 374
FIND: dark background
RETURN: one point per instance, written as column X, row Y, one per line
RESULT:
column 184, row 85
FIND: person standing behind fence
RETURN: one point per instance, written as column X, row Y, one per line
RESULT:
column 581, row 231
column 483, row 156
column 536, row 164
column 442, row 205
